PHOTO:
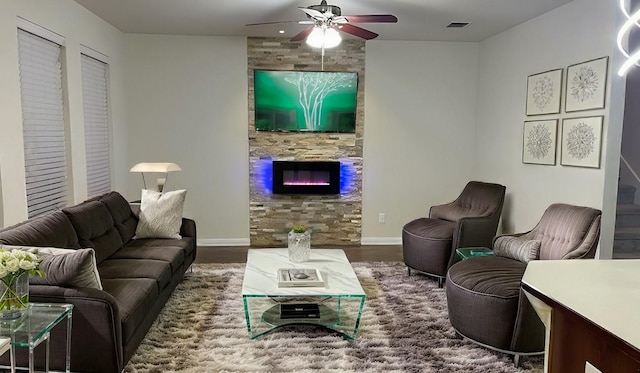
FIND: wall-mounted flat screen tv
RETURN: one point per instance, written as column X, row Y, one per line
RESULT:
column 305, row 101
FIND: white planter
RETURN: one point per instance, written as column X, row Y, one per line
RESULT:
column 299, row 246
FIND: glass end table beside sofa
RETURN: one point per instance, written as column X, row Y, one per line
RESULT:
column 34, row 327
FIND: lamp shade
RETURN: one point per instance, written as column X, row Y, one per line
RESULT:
column 155, row 167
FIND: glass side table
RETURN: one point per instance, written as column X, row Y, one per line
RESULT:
column 470, row 252
column 34, row 327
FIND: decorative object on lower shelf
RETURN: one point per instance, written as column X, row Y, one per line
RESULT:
column 299, row 244
column 299, row 311
column 15, row 268
column 294, row 277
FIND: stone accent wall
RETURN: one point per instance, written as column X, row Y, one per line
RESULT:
column 334, row 219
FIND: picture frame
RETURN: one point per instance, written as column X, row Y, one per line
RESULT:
column 539, row 142
column 586, row 85
column 582, row 141
column 544, row 92
column 305, row 101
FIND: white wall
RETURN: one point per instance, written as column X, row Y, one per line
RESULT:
column 419, row 133
column 78, row 26
column 436, row 115
column 579, row 31
column 187, row 103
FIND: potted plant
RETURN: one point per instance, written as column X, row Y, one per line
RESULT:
column 299, row 243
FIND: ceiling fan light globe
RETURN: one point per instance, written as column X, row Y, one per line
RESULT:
column 316, row 37
column 324, row 37
column 332, row 38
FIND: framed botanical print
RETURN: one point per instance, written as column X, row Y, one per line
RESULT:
column 586, row 85
column 581, row 141
column 539, row 142
column 543, row 92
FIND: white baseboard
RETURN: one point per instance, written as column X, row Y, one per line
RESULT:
column 381, row 241
column 224, row 242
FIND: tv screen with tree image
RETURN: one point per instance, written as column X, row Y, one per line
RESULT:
column 312, row 101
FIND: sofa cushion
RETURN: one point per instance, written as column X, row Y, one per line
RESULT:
column 95, row 228
column 160, row 214
column 52, row 229
column 187, row 244
column 135, row 298
column 433, row 229
column 64, row 267
column 517, row 248
column 157, row 270
column 491, row 275
column 124, row 219
column 171, row 254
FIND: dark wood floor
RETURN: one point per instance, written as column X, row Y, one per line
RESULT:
column 364, row 253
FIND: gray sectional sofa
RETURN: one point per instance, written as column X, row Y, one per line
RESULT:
column 137, row 277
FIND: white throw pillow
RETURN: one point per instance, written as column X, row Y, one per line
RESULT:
column 64, row 267
column 160, row 214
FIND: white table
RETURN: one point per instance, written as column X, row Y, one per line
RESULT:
column 341, row 300
column 5, row 345
column 591, row 309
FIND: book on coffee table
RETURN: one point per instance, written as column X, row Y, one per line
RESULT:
column 293, row 277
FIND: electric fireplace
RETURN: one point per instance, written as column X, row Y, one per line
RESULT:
column 306, row 177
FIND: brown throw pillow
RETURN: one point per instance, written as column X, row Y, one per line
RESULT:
column 517, row 248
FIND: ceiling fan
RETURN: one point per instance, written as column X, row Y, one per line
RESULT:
column 327, row 16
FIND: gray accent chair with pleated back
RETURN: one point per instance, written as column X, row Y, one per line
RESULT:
column 429, row 243
column 484, row 297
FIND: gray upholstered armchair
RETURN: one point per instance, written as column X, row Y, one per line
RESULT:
column 484, row 298
column 429, row 244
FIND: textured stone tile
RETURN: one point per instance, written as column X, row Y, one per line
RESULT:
column 334, row 220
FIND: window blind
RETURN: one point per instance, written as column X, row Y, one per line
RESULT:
column 96, row 125
column 43, row 123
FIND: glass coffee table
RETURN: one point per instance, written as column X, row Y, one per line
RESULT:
column 339, row 302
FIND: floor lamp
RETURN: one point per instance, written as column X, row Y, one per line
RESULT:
column 164, row 168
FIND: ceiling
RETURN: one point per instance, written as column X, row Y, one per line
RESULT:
column 417, row 19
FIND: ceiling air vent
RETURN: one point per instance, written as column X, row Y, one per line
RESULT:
column 458, row 24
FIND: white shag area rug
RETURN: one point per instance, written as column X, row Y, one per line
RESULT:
column 404, row 328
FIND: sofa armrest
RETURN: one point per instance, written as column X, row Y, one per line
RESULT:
column 477, row 231
column 473, row 231
column 96, row 335
column 188, row 228
column 441, row 211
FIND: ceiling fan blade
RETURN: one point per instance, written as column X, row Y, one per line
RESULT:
column 314, row 13
column 303, row 34
column 272, row 23
column 372, row 18
column 357, row 31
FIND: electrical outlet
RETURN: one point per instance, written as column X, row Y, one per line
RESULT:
column 381, row 218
